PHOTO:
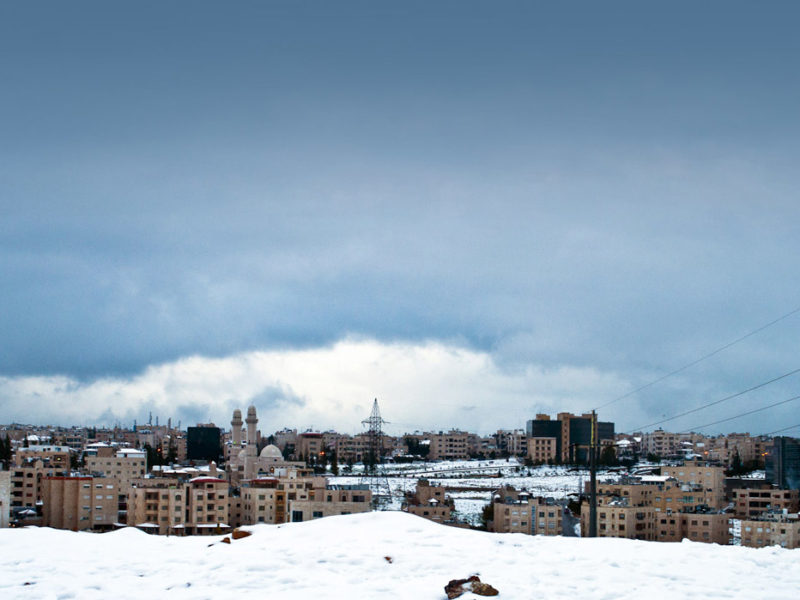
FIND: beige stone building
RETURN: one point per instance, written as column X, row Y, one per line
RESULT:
column 55, row 457
column 125, row 465
column 293, row 495
column 516, row 511
column 661, row 443
column 772, row 530
column 512, row 511
column 5, row 498
column 452, row 445
column 618, row 518
column 671, row 511
column 26, row 481
column 542, row 449
column 168, row 506
column 750, row 503
column 430, row 502
column 330, row 500
column 710, row 478
column 548, row 516
column 709, row 527
column 80, row 503
column 309, row 444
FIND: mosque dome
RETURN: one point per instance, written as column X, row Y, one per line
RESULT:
column 271, row 451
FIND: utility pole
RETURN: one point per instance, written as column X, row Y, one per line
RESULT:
column 593, row 479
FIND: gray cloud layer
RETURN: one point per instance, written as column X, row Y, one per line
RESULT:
column 614, row 193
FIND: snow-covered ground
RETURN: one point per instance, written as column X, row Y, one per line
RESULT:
column 470, row 483
column 380, row 555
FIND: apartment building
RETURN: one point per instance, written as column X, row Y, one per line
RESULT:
column 430, row 502
column 512, row 511
column 80, row 503
column 707, row 526
column 56, row 457
column 169, row 506
column 619, row 518
column 675, row 511
column 749, row 503
column 710, row 478
column 453, row 445
column 512, row 441
column 547, row 516
column 352, row 448
column 330, row 500
column 294, row 497
column 772, row 530
column 542, row 449
column 124, row 464
column 26, row 481
column 5, row 498
column 662, row 443
column 309, row 444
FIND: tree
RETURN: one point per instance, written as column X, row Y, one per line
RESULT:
column 172, row 451
column 737, row 467
column 334, row 463
column 5, row 449
column 608, row 457
column 487, row 515
column 416, row 447
column 153, row 456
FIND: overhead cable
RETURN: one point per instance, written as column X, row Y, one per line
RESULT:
column 701, row 359
column 744, row 414
column 720, row 401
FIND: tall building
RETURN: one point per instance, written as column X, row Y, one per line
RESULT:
column 783, row 463
column 203, row 443
column 80, row 503
column 572, row 433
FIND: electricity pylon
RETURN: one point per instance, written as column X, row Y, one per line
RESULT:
column 374, row 474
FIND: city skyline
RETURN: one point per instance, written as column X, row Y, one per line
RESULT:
column 473, row 212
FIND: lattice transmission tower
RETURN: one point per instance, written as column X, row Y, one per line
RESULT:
column 374, row 474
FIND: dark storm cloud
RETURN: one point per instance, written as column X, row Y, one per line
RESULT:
column 610, row 188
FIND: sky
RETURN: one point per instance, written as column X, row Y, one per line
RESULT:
column 472, row 211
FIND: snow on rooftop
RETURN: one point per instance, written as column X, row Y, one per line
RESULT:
column 345, row 557
column 654, row 478
column 130, row 452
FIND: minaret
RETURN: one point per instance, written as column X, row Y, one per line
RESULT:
column 236, row 428
column 251, row 421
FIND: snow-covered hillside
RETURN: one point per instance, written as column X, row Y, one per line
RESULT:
column 380, row 555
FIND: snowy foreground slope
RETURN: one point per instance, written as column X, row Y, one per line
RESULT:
column 344, row 557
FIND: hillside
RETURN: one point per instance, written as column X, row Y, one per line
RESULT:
column 345, row 557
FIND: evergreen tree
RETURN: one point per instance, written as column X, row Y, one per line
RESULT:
column 5, row 449
column 172, row 451
column 334, row 463
column 487, row 515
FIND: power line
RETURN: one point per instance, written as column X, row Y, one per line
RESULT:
column 720, row 401
column 784, row 429
column 701, row 359
column 744, row 414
